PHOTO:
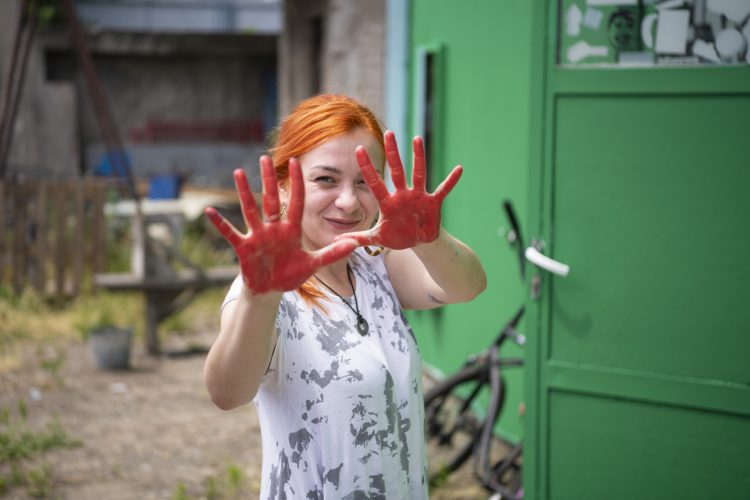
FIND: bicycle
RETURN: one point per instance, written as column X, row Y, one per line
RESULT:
column 456, row 429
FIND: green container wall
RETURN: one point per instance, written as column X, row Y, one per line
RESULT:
column 483, row 124
column 637, row 380
column 637, row 374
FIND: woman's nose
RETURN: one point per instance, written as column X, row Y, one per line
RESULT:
column 347, row 200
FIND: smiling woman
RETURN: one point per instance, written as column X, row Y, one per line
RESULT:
column 337, row 198
column 312, row 331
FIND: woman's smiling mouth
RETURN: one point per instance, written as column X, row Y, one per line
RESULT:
column 342, row 224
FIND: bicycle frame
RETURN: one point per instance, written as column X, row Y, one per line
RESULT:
column 480, row 371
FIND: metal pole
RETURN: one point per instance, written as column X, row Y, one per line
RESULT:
column 14, row 86
column 107, row 126
column 110, row 134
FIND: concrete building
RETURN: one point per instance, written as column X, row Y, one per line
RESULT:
column 172, row 68
column 194, row 99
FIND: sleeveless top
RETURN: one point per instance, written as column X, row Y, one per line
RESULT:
column 341, row 414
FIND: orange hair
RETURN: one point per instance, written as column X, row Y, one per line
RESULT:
column 314, row 121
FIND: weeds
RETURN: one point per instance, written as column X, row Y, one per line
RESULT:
column 228, row 485
column 19, row 443
column 52, row 363
column 28, row 317
column 180, row 492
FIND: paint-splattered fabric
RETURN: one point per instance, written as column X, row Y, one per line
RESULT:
column 341, row 414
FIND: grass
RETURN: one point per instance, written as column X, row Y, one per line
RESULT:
column 30, row 319
column 36, row 331
column 27, row 323
column 30, row 324
column 228, row 484
column 19, row 444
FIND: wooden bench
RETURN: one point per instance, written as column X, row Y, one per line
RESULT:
column 166, row 294
column 167, row 289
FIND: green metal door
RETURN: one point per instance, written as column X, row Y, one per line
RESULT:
column 638, row 372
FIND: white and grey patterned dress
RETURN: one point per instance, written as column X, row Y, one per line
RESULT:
column 341, row 414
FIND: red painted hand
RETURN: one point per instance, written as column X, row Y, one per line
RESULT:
column 270, row 254
column 408, row 216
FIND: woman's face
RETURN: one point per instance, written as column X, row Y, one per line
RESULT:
column 337, row 198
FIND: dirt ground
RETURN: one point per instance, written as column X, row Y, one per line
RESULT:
column 150, row 432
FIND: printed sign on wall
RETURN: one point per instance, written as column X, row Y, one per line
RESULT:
column 653, row 32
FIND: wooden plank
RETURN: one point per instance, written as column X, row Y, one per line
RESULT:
column 3, row 256
column 99, row 228
column 88, row 238
column 40, row 251
column 60, row 255
column 184, row 279
column 76, row 244
column 19, row 237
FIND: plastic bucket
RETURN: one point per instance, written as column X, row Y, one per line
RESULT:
column 110, row 347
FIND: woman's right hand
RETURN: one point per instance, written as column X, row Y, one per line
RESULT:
column 270, row 254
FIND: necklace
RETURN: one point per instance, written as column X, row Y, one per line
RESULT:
column 362, row 326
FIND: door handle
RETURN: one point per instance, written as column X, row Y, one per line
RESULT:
column 548, row 264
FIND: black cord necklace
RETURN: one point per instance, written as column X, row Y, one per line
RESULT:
column 362, row 326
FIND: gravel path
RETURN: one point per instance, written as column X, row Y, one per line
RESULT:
column 146, row 433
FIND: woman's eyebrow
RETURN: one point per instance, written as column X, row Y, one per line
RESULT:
column 328, row 168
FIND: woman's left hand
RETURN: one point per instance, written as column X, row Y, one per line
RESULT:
column 408, row 216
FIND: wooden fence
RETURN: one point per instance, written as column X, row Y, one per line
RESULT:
column 52, row 235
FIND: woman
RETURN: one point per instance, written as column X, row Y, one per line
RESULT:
column 313, row 330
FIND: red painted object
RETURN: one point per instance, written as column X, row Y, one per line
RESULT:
column 208, row 131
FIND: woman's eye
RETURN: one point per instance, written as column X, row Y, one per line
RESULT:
column 325, row 179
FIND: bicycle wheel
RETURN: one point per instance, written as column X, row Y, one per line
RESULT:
column 451, row 428
column 507, row 472
column 498, row 464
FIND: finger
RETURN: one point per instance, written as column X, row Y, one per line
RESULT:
column 332, row 253
column 419, row 169
column 394, row 161
column 247, row 201
column 297, row 192
column 225, row 228
column 370, row 175
column 270, row 189
column 363, row 238
column 449, row 183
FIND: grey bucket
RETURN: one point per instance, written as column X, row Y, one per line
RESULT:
column 110, row 347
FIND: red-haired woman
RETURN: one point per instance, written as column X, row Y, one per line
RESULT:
column 313, row 330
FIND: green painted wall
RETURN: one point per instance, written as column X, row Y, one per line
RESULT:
column 483, row 125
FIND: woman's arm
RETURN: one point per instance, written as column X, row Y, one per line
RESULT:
column 271, row 261
column 240, row 355
column 444, row 271
column 427, row 266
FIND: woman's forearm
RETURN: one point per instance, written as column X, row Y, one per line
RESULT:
column 240, row 355
column 453, row 266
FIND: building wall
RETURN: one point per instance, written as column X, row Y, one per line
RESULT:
column 173, row 77
column 44, row 141
column 146, row 76
column 333, row 46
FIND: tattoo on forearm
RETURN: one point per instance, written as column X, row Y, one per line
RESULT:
column 434, row 299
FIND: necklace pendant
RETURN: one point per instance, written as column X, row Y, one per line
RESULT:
column 362, row 327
